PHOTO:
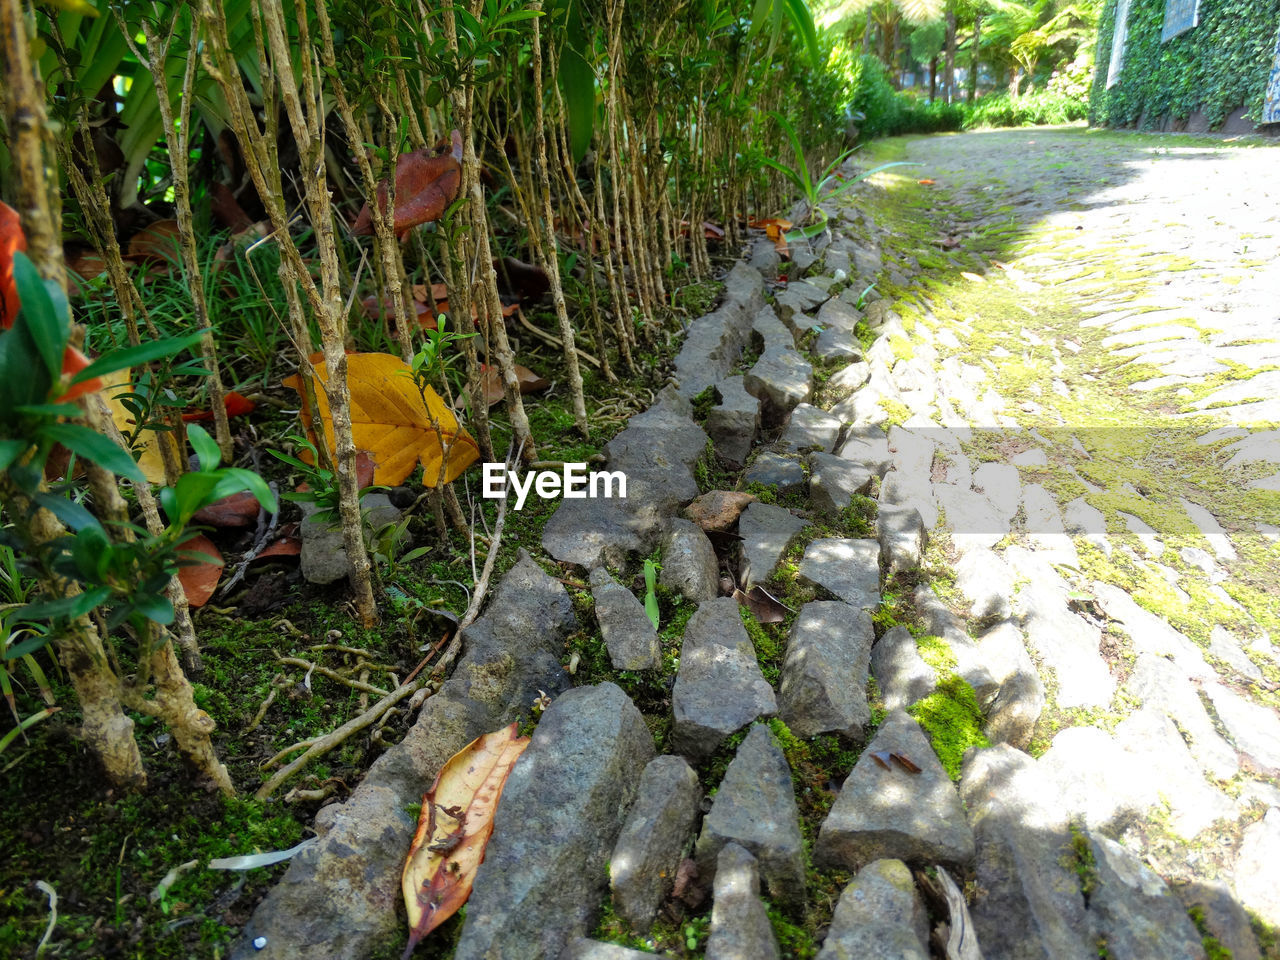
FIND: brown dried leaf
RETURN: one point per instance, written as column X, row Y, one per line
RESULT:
column 454, row 828
column 904, row 762
column 425, row 186
column 201, row 579
column 238, row 510
column 718, row 510
column 882, row 757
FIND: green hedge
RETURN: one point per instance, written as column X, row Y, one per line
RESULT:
column 1214, row 67
column 1030, row 109
column 886, row 112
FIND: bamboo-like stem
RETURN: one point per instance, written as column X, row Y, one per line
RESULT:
column 552, row 261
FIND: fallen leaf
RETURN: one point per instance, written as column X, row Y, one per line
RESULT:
column 158, row 242
column 226, row 208
column 392, row 423
column 236, row 403
column 425, row 186
column 454, row 828
column 926, row 182
column 375, row 309
column 199, row 580
column 238, row 510
column 147, row 446
column 524, row 281
column 289, row 544
column 529, row 382
column 904, row 762
column 974, row 277
column 882, row 757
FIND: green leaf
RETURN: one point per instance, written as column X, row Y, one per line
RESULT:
column 155, row 608
column 10, row 450
column 205, row 446
column 48, row 331
column 93, row 447
column 65, row 608
column 134, row 356
column 234, row 479
column 578, row 84
column 16, row 651
column 68, row 511
column 802, row 20
column 81, row 7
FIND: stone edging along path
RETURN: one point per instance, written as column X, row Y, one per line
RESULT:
column 1053, row 819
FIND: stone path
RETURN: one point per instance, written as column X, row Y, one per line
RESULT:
column 1020, row 498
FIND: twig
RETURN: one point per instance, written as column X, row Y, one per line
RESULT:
column 52, row 894
column 332, row 675
column 554, row 340
column 326, row 743
column 259, row 544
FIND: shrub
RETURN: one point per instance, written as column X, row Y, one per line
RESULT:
column 1032, row 109
column 886, row 111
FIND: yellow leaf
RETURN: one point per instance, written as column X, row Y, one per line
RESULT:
column 81, row 7
column 454, row 828
column 146, row 448
column 391, row 422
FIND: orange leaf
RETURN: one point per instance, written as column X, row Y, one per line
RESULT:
column 926, row 182
column 425, row 186
column 73, row 361
column 454, row 828
column 393, row 423
column 201, row 580
column 289, row 545
column 12, row 240
column 237, row 405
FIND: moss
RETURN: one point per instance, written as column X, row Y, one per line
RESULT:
column 769, row 641
column 953, row 721
column 897, row 411
column 703, row 403
column 1213, row 948
column 1082, row 862
column 937, row 653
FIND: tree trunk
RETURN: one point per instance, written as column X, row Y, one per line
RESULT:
column 949, row 77
column 933, row 78
column 977, row 53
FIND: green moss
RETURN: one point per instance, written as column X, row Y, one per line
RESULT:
column 1213, row 948
column 769, row 641
column 953, row 721
column 703, row 403
column 1082, row 862
column 937, row 653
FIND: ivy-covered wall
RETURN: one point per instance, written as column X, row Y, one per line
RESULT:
column 1215, row 67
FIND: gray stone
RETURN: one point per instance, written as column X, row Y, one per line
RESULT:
column 733, row 422
column 584, row 949
column 756, row 808
column 659, row 827
column 1255, row 729
column 803, row 257
column 985, row 580
column 719, row 688
column 1224, row 646
column 740, row 927
column 1149, row 633
column 657, row 451
column 712, row 345
column 743, row 286
column 895, row 814
column 561, row 811
column 1066, row 645
column 850, row 569
column 900, row 530
column 1133, row 911
column 324, row 553
column 835, row 481
column 868, row 446
column 942, row 623
column 1157, row 683
column 1013, row 714
column 767, row 531
column 628, row 632
column 1221, row 915
column 339, row 897
column 850, row 378
column 837, row 315
column 824, row 675
column 774, row 470
column 833, row 342
column 780, row 379
column 773, row 333
column 689, row 564
column 879, row 915
column 809, row 429
column 901, row 673
column 837, row 260
column 799, row 297
column 765, row 257
column 1028, row 904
